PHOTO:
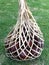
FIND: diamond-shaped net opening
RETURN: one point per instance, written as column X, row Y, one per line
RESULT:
column 25, row 41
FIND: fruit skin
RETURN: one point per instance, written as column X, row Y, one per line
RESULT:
column 23, row 55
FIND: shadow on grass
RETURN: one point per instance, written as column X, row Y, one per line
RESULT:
column 8, row 61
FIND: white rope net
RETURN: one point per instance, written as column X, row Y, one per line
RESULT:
column 25, row 41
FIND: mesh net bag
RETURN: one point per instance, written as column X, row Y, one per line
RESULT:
column 25, row 41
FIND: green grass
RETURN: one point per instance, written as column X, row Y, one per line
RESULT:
column 8, row 18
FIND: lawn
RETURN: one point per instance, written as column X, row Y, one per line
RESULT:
column 8, row 17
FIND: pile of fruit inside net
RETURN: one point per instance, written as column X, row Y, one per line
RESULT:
column 25, row 41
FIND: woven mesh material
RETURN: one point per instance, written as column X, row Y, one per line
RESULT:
column 25, row 41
